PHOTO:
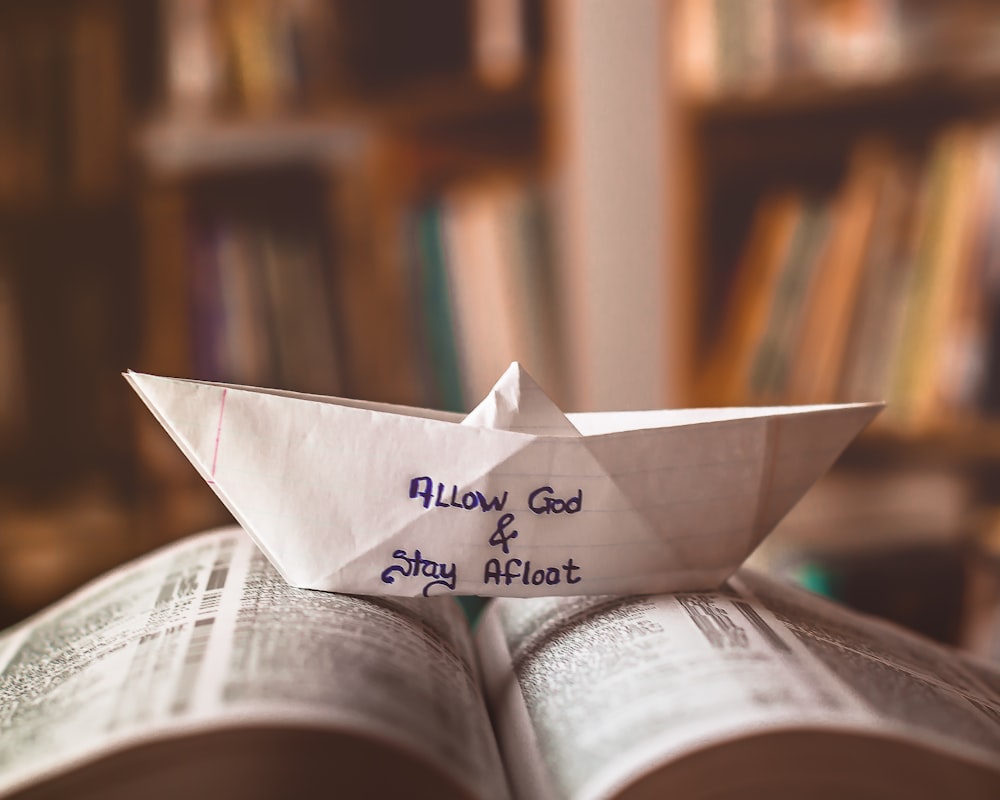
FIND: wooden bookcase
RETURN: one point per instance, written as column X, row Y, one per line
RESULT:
column 773, row 125
column 761, row 127
column 557, row 122
column 71, row 74
column 342, row 154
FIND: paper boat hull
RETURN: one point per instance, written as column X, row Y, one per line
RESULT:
column 355, row 499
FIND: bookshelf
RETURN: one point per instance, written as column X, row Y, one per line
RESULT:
column 339, row 168
column 501, row 162
column 842, row 236
column 67, row 239
column 783, row 122
column 70, row 74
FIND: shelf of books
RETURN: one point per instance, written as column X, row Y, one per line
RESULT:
column 68, row 248
column 355, row 180
column 67, row 239
column 848, row 229
column 316, row 180
column 258, row 192
column 844, row 229
column 292, row 195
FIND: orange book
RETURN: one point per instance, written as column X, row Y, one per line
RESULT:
column 941, row 261
column 725, row 377
column 819, row 353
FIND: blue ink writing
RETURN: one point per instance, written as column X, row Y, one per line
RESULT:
column 541, row 501
column 515, row 569
column 500, row 536
column 424, row 489
column 417, row 566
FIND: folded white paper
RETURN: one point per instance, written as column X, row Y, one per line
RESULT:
column 514, row 499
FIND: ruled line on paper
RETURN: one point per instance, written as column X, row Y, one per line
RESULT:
column 218, row 431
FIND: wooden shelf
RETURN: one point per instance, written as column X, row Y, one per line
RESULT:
column 968, row 443
column 962, row 88
column 173, row 145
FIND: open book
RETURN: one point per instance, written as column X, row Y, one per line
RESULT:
column 198, row 672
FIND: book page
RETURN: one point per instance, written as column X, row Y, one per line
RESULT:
column 590, row 694
column 915, row 688
column 205, row 635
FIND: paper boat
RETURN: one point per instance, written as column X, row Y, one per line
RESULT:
column 514, row 499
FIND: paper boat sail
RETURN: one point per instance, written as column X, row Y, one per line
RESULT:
column 516, row 498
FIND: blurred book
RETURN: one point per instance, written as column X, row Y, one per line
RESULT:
column 486, row 287
column 97, row 87
column 434, row 326
column 746, row 47
column 63, row 104
column 726, row 375
column 833, row 293
column 505, row 39
column 885, row 290
column 266, row 57
column 263, row 308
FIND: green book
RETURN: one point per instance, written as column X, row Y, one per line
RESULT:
column 438, row 318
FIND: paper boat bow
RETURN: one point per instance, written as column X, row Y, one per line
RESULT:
column 514, row 499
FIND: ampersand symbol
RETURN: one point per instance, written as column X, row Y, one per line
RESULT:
column 500, row 535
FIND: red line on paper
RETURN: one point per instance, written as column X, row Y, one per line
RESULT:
column 218, row 431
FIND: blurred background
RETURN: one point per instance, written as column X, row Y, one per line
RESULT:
column 649, row 203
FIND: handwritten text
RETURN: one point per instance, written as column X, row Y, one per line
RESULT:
column 414, row 566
